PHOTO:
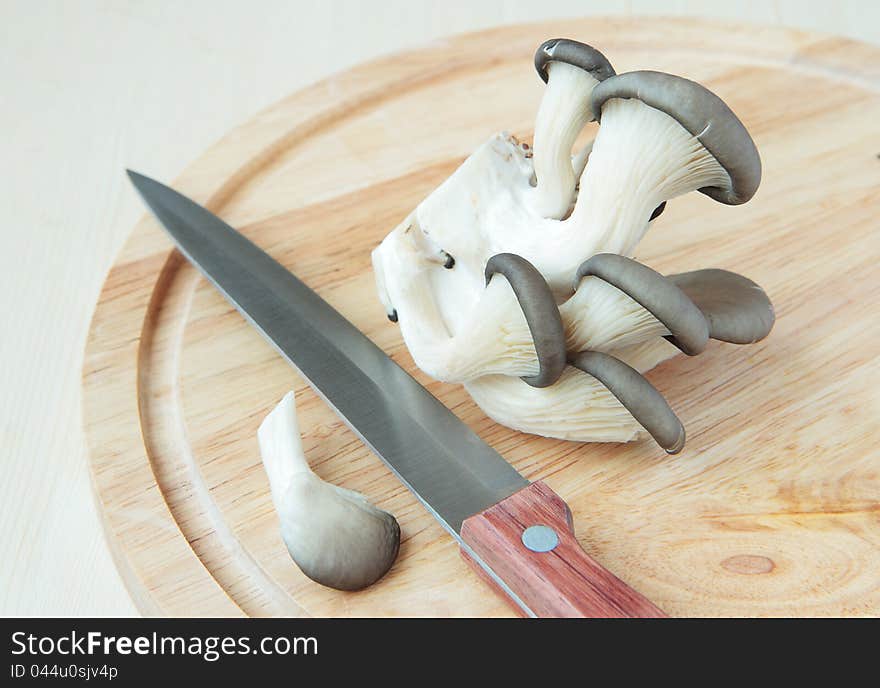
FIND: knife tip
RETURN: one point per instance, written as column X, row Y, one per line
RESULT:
column 141, row 182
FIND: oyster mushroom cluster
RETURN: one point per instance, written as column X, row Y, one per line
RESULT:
column 515, row 276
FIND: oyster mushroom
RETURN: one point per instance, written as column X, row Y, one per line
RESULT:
column 571, row 71
column 637, row 395
column 541, row 314
column 692, row 307
column 686, row 324
column 335, row 536
column 703, row 115
column 650, row 148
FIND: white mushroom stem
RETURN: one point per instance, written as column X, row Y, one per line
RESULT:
column 564, row 110
column 281, row 448
column 335, row 536
column 579, row 160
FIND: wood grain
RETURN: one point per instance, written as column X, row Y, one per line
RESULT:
column 564, row 582
column 771, row 510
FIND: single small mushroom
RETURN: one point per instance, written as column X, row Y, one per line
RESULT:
column 571, row 71
column 335, row 536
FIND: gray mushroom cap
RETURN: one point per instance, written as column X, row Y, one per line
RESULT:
column 574, row 53
column 637, row 395
column 704, row 115
column 542, row 315
column 736, row 309
column 337, row 537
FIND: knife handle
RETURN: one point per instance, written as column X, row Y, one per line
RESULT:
column 563, row 581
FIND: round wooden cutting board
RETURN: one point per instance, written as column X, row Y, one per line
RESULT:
column 772, row 509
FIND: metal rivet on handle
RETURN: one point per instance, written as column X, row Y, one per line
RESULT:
column 540, row 538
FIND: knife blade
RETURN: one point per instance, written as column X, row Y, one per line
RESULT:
column 479, row 498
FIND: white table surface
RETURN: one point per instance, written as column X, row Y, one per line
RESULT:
column 90, row 88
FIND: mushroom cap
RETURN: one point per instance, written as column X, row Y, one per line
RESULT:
column 541, row 312
column 637, row 395
column 335, row 536
column 737, row 310
column 574, row 53
column 704, row 115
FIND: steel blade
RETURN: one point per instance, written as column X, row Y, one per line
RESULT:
column 451, row 470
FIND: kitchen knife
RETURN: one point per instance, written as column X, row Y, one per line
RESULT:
column 517, row 535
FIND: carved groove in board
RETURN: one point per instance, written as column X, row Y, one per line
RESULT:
column 174, row 466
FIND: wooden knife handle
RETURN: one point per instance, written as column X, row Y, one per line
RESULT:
column 561, row 582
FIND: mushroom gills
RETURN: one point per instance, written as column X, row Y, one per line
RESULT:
column 702, row 114
column 694, row 306
column 334, row 535
column 660, row 297
column 640, row 159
